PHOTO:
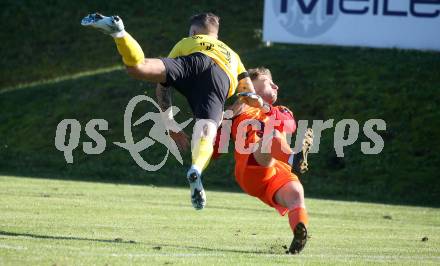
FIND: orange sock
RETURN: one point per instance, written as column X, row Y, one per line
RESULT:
column 279, row 148
column 298, row 215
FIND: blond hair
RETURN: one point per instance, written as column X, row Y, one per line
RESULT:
column 254, row 73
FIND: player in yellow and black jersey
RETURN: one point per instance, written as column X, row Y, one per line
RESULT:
column 219, row 52
column 201, row 67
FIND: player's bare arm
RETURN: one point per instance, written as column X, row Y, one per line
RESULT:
column 164, row 99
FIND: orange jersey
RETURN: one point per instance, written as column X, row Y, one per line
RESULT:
column 251, row 125
column 258, row 181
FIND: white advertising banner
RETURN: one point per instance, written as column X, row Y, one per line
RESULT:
column 407, row 24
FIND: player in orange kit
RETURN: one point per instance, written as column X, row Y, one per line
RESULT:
column 266, row 167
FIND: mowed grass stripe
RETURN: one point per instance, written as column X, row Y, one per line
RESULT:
column 78, row 75
column 67, row 222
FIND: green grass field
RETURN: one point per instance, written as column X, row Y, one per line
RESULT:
column 52, row 222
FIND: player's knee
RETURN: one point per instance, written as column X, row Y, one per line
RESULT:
column 291, row 195
column 209, row 131
column 297, row 190
column 205, row 128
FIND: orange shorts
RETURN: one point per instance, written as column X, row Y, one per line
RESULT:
column 263, row 182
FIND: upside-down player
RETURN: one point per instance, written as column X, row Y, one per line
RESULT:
column 271, row 176
column 201, row 67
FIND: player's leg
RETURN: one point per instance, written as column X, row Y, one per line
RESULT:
column 202, row 144
column 282, row 190
column 138, row 66
column 206, row 93
column 291, row 196
column 201, row 150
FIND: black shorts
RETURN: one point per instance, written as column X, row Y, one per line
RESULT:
column 204, row 84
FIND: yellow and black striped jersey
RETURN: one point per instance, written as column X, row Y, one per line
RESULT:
column 224, row 56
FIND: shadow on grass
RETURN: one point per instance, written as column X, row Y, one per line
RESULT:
column 116, row 240
column 159, row 247
column 156, row 246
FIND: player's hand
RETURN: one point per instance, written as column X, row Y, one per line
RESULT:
column 251, row 99
column 181, row 139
